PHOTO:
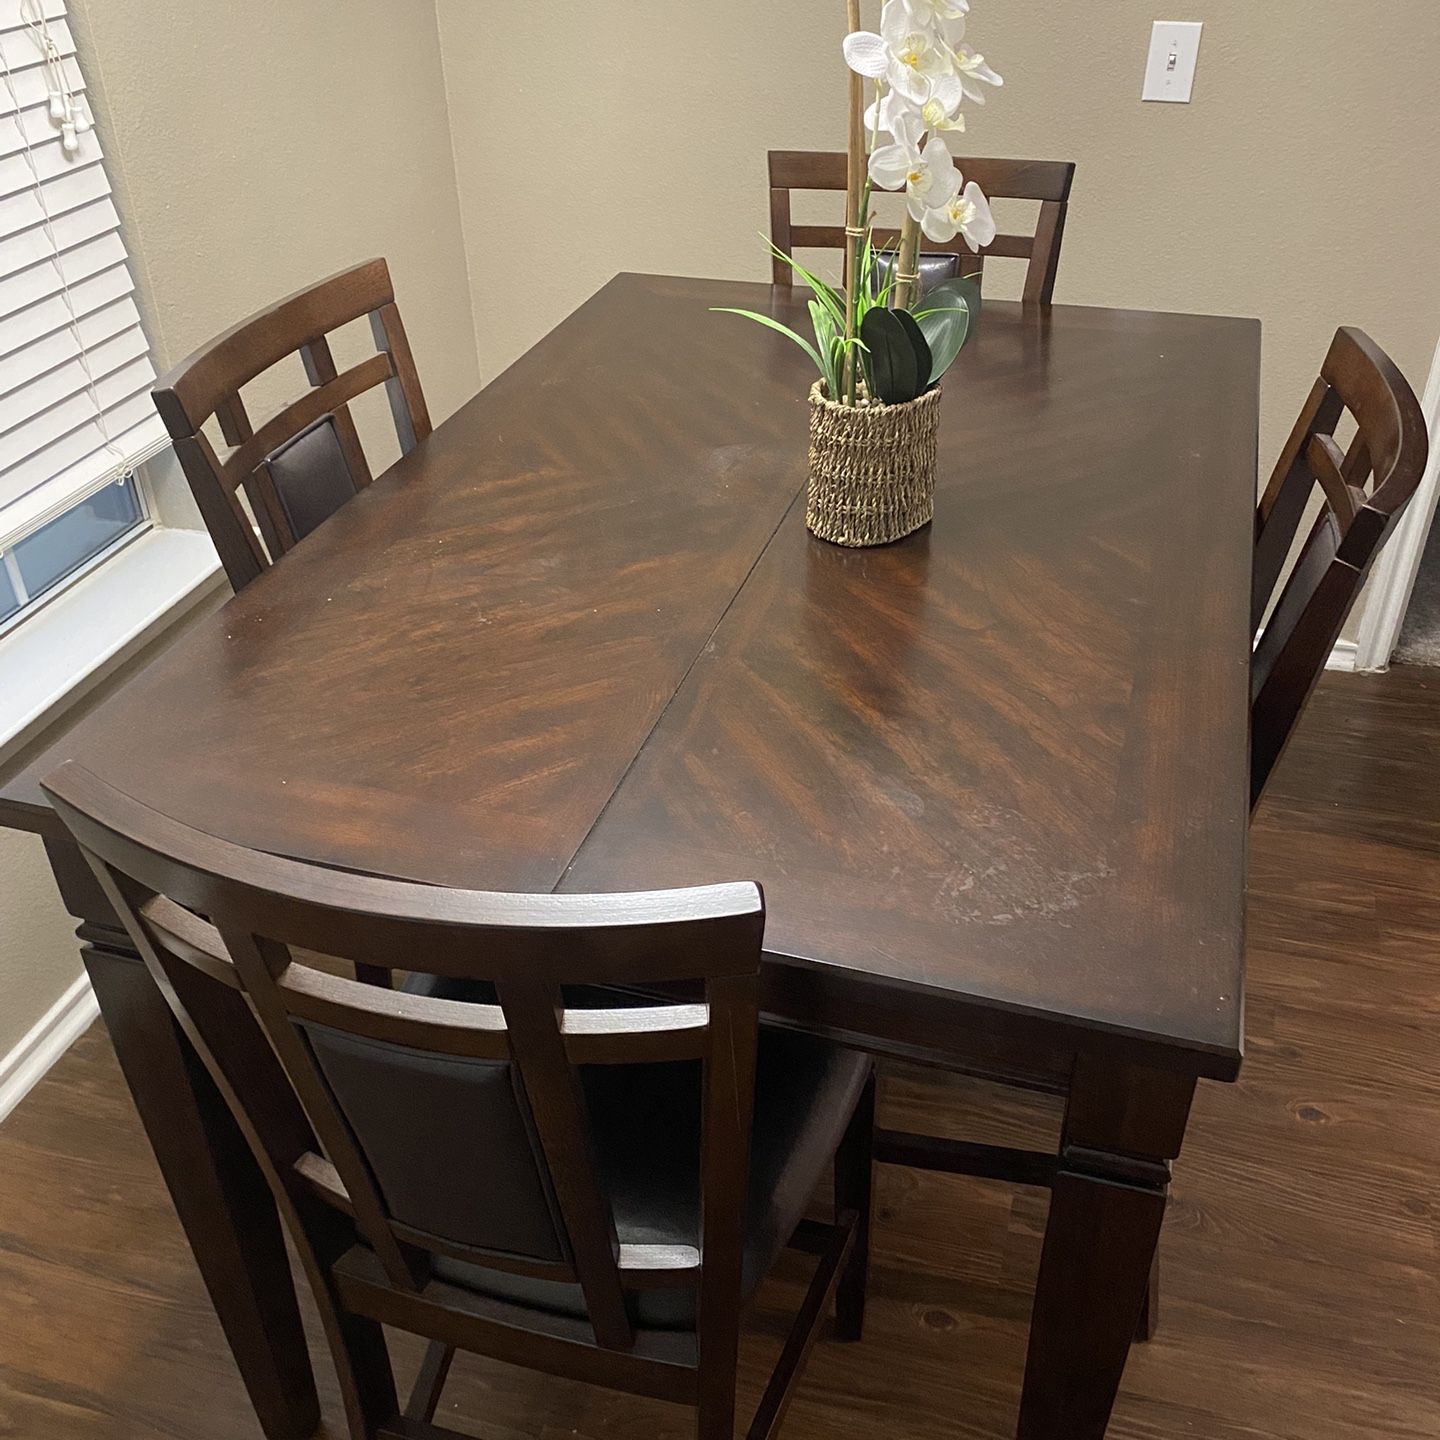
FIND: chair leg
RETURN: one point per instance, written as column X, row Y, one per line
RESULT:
column 834, row 1253
column 715, row 1414
column 430, row 1381
column 854, row 1171
column 719, row 1360
column 1150, row 1311
column 357, row 1345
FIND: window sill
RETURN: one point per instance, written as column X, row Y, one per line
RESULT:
column 50, row 661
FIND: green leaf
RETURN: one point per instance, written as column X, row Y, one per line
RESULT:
column 964, row 289
column 944, row 317
column 924, row 361
column 894, row 362
column 880, row 281
column 772, row 324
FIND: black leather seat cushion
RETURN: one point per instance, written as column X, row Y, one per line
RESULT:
column 646, row 1124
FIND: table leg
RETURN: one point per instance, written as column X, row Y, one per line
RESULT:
column 1123, row 1126
column 219, row 1194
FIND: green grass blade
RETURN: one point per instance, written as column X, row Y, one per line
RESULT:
column 826, row 337
column 772, row 324
column 825, row 294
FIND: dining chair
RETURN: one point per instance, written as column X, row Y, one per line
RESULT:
column 1362, row 490
column 1387, row 453
column 511, row 1153
column 1047, row 181
column 304, row 463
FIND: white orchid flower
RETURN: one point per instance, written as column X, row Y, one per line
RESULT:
column 882, row 115
column 934, row 117
column 906, row 56
column 907, row 128
column 966, row 214
column 927, row 12
column 971, row 70
column 928, row 177
column 941, row 110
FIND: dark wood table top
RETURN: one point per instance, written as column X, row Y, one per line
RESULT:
column 580, row 637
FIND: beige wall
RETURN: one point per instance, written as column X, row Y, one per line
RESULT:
column 1298, row 186
column 39, row 956
column 255, row 148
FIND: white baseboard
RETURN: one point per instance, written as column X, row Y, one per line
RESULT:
column 1343, row 656
column 47, row 1040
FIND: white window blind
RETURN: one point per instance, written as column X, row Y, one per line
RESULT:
column 75, row 370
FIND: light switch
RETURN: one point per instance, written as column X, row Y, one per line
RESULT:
column 1170, row 70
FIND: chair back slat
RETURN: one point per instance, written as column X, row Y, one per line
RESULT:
column 533, row 1011
column 300, row 414
column 209, row 382
column 320, row 370
column 1048, row 181
column 259, row 961
column 1327, row 462
column 1358, row 467
column 1282, row 506
column 832, row 237
column 1389, row 451
column 234, row 421
column 407, row 399
column 447, row 1127
column 725, row 1158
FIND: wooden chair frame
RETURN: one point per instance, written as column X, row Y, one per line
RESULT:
column 1388, row 454
column 209, row 382
column 1047, row 181
column 162, row 877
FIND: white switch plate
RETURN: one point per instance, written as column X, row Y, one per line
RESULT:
column 1170, row 70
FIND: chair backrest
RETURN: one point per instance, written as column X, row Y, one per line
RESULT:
column 1047, row 181
column 1362, row 490
column 301, row 465
column 449, row 1128
column 931, row 269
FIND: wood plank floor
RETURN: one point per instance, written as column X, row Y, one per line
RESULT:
column 1302, row 1285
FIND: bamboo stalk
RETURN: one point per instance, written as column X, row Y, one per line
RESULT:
column 907, row 260
column 855, row 178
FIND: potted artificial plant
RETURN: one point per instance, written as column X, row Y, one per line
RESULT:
column 880, row 346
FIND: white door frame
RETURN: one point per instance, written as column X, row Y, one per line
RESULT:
column 1394, row 575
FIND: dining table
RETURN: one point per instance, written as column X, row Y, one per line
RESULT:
column 993, row 778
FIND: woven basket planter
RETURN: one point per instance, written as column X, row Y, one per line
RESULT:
column 872, row 468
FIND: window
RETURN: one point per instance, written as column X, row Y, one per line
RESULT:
column 76, row 417
column 63, row 548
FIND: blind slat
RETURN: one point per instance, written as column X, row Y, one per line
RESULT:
column 78, row 262
column 24, row 450
column 61, row 399
column 35, row 322
column 49, row 161
column 19, row 48
column 31, row 127
column 12, row 17
column 81, row 460
column 30, row 89
column 31, row 247
column 67, row 191
column 139, row 433
column 66, row 341
column 75, row 368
